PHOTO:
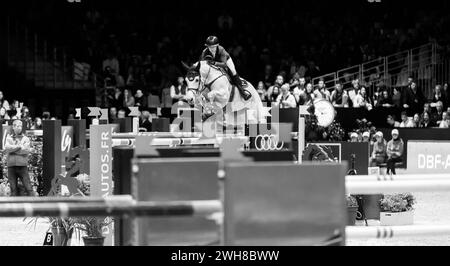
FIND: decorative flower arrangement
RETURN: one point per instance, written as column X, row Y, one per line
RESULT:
column 335, row 131
column 92, row 226
column 84, row 185
column 398, row 203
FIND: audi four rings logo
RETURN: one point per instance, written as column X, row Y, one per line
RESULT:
column 268, row 143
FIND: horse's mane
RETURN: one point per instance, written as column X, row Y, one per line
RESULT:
column 205, row 62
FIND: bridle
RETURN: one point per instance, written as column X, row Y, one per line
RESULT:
column 203, row 81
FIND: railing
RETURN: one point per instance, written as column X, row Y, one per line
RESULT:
column 48, row 65
column 423, row 63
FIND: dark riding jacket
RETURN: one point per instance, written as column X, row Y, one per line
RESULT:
column 221, row 55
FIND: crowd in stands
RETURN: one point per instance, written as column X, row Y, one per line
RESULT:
column 138, row 51
column 142, row 46
column 17, row 110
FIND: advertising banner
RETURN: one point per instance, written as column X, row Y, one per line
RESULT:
column 101, row 169
column 428, row 157
column 66, row 145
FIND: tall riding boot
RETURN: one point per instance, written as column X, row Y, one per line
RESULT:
column 244, row 93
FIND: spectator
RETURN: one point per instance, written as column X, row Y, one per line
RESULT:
column 426, row 122
column 302, row 84
column 134, row 72
column 140, row 99
column 391, row 121
column 406, row 122
column 445, row 123
column 360, row 137
column 379, row 150
column 322, row 92
column 128, row 99
column 339, row 97
column 46, row 115
column 112, row 113
column 413, row 99
column 274, row 91
column 14, row 109
column 111, row 62
column 394, row 152
column 3, row 114
column 37, row 125
column 427, row 108
column 294, row 82
column 354, row 137
column 286, row 99
column 416, row 120
column 352, row 92
column 117, row 100
column 363, row 100
column 178, row 92
column 262, row 92
column 366, row 137
column 121, row 114
column 436, row 117
column 26, row 115
column 446, row 93
column 384, row 100
column 397, row 98
column 308, row 95
column 3, row 103
column 17, row 148
column 145, row 121
column 438, row 96
column 110, row 79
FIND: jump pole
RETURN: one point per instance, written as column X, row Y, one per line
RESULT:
column 114, row 207
column 383, row 178
column 376, row 187
column 383, row 232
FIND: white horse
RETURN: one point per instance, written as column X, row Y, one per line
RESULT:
column 209, row 87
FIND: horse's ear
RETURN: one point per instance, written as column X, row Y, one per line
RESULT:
column 197, row 68
column 185, row 65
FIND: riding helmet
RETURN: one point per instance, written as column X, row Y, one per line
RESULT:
column 212, row 40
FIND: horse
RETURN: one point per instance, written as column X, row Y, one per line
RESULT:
column 210, row 89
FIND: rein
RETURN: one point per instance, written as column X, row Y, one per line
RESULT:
column 208, row 86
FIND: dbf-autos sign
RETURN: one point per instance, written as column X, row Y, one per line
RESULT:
column 101, row 168
column 428, row 157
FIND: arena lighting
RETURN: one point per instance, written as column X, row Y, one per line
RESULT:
column 74, row 1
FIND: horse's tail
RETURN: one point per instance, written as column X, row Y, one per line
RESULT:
column 260, row 111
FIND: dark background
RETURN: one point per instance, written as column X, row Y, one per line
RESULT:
column 328, row 34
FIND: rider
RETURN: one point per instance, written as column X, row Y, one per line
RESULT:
column 216, row 55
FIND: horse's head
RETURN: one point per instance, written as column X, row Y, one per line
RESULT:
column 192, row 76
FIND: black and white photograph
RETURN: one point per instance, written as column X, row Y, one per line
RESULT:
column 222, row 124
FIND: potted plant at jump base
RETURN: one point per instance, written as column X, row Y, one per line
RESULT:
column 352, row 209
column 397, row 209
column 62, row 229
column 92, row 227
